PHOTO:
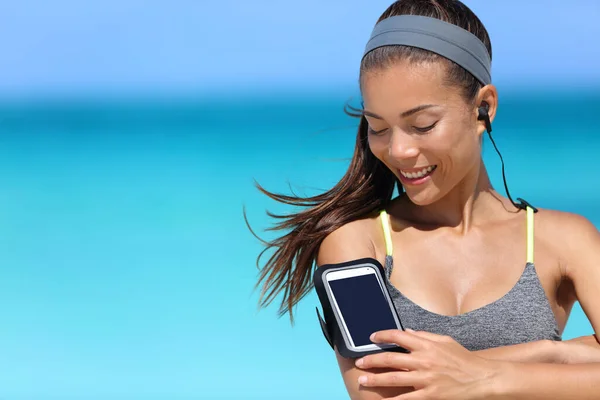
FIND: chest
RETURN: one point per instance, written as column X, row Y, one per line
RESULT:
column 451, row 275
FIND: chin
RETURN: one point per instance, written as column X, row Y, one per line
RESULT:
column 423, row 198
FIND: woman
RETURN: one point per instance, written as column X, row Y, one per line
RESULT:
column 459, row 256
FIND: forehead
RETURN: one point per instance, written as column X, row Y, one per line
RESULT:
column 404, row 85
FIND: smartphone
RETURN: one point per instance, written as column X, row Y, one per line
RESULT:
column 361, row 304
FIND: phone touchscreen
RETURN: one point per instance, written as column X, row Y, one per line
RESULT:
column 362, row 305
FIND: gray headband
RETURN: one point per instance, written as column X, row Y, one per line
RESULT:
column 443, row 38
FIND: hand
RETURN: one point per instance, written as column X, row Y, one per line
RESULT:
column 437, row 367
column 585, row 349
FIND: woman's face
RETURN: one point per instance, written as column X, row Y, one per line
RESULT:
column 421, row 129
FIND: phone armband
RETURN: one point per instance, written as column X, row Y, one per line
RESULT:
column 331, row 325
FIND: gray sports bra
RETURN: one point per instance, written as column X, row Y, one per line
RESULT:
column 522, row 315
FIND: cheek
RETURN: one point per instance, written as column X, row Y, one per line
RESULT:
column 456, row 148
column 465, row 150
column 378, row 146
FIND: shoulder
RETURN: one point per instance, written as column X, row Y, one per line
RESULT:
column 564, row 226
column 355, row 239
column 574, row 236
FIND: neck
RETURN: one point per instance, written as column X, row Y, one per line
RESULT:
column 471, row 202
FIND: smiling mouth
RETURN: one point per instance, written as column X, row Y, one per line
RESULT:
column 419, row 174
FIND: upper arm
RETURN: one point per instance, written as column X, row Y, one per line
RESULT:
column 347, row 243
column 350, row 242
column 582, row 246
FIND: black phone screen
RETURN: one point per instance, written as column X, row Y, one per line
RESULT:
column 363, row 306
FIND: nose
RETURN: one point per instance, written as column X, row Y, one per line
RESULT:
column 402, row 146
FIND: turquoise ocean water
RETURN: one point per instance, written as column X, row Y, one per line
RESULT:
column 127, row 269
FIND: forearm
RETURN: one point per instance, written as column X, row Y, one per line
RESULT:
column 543, row 351
column 546, row 381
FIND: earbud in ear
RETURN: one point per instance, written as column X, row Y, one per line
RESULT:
column 484, row 116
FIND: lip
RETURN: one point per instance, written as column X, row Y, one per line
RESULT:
column 415, row 181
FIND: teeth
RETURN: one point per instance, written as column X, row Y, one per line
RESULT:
column 419, row 174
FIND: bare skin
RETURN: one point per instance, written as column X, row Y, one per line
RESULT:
column 459, row 245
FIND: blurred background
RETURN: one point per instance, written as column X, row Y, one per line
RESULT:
column 130, row 136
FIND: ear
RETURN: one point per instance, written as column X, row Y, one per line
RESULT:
column 488, row 95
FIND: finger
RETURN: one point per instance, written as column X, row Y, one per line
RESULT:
column 391, row 379
column 403, row 339
column 388, row 359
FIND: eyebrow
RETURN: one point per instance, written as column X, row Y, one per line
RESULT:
column 405, row 113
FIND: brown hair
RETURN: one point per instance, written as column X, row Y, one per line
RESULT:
column 367, row 185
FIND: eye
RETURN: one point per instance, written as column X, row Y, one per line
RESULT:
column 370, row 131
column 425, row 129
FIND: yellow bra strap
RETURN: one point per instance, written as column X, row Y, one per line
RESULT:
column 529, row 235
column 385, row 223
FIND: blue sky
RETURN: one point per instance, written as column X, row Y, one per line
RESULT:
column 195, row 46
